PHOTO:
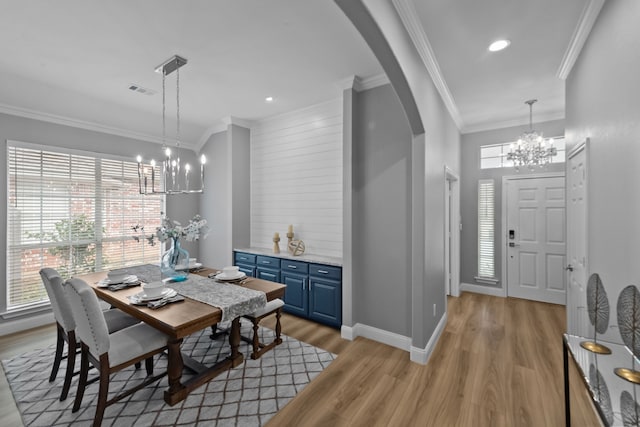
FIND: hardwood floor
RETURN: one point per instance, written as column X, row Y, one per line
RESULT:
column 498, row 363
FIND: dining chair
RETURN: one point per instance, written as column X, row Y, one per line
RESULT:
column 66, row 326
column 109, row 352
column 272, row 307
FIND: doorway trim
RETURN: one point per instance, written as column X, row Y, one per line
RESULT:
column 452, row 222
column 503, row 232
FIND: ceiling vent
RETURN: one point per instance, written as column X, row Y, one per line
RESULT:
column 142, row 90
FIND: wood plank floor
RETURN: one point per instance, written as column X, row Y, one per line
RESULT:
column 498, row 363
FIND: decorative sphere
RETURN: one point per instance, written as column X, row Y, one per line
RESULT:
column 296, row 247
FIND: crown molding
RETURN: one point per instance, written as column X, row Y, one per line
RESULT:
column 359, row 84
column 579, row 37
column 373, row 81
column 408, row 16
column 80, row 124
column 521, row 121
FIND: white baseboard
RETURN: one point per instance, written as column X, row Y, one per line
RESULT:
column 480, row 289
column 421, row 356
column 23, row 324
column 380, row 335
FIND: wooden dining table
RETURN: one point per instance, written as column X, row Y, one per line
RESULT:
column 179, row 320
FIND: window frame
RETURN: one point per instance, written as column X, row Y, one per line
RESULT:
column 504, row 146
column 482, row 236
column 100, row 162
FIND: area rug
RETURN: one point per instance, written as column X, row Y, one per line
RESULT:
column 248, row 395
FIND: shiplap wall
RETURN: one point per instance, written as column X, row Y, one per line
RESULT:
column 296, row 178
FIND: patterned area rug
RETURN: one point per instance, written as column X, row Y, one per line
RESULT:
column 248, row 395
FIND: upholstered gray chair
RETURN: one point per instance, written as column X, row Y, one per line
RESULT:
column 66, row 326
column 272, row 307
column 109, row 353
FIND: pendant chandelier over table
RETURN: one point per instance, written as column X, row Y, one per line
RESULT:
column 171, row 172
column 531, row 149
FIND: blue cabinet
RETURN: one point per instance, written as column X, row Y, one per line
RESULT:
column 325, row 294
column 294, row 274
column 313, row 290
column 268, row 268
column 246, row 262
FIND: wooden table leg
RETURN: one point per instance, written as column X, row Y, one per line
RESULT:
column 174, row 372
column 235, row 357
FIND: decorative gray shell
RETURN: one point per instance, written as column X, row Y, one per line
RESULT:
column 629, row 318
column 601, row 393
column 630, row 410
column 597, row 304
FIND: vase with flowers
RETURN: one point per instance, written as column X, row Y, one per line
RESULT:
column 174, row 263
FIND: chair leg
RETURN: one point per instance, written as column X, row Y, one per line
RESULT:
column 58, row 356
column 256, row 341
column 82, row 381
column 103, row 391
column 71, row 364
column 148, row 364
column 278, row 326
column 138, row 365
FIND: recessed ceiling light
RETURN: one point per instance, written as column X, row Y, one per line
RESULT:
column 499, row 45
column 269, row 99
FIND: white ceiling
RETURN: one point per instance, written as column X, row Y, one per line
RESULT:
column 72, row 61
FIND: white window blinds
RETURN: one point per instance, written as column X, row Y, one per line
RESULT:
column 486, row 212
column 74, row 212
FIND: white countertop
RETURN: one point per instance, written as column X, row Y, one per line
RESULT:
column 320, row 259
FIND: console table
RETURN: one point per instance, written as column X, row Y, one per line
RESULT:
column 615, row 398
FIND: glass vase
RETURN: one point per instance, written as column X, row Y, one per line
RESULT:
column 175, row 262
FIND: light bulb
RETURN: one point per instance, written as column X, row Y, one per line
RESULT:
column 203, row 159
column 139, row 159
column 152, row 163
column 187, row 167
column 167, row 152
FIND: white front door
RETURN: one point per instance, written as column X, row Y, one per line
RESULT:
column 536, row 245
column 577, row 316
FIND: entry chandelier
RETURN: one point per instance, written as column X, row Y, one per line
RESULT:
column 531, row 149
column 170, row 179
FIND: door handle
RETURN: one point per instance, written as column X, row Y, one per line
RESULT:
column 513, row 245
column 569, row 267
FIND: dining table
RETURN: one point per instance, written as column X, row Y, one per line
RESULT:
column 181, row 319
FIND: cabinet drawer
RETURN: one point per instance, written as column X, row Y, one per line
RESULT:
column 319, row 270
column 267, row 261
column 244, row 258
column 299, row 267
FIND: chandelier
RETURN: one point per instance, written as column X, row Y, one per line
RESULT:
column 531, row 149
column 171, row 179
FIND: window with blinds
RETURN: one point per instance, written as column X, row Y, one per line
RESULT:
column 486, row 224
column 74, row 212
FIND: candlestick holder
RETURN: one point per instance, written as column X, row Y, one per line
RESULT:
column 289, row 239
column 276, row 246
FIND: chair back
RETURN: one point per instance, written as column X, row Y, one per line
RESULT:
column 53, row 283
column 91, row 326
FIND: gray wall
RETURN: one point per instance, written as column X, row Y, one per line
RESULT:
column 435, row 143
column 602, row 93
column 181, row 208
column 381, row 212
column 226, row 201
column 214, row 250
column 471, row 173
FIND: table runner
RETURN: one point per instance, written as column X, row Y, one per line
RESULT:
column 233, row 300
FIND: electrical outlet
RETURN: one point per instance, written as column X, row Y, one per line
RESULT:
column 434, row 310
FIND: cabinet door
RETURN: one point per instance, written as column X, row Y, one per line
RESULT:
column 249, row 270
column 268, row 274
column 325, row 298
column 295, row 296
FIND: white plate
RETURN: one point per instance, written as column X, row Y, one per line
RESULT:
column 224, row 277
column 191, row 266
column 105, row 283
column 143, row 297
